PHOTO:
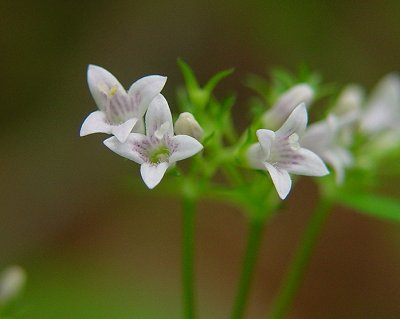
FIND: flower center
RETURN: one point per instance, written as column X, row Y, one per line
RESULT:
column 159, row 155
column 294, row 142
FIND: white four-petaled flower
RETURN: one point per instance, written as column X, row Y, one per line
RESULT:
column 159, row 148
column 120, row 111
column 280, row 152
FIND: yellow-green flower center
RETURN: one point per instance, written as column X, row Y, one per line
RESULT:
column 158, row 155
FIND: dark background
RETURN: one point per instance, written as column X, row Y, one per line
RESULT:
column 95, row 244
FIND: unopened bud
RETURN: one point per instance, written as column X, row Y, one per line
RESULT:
column 349, row 100
column 186, row 124
column 382, row 110
column 277, row 115
column 12, row 280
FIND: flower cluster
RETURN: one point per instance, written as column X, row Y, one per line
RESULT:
column 293, row 148
column 152, row 145
column 141, row 123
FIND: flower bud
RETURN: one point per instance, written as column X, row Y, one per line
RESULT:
column 12, row 280
column 186, row 124
column 382, row 109
column 277, row 115
column 349, row 100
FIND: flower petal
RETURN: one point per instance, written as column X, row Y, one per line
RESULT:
column 266, row 139
column 100, row 83
column 139, row 127
column 339, row 159
column 122, row 131
column 131, row 149
column 158, row 114
column 306, row 163
column 184, row 146
column 256, row 156
column 280, row 178
column 145, row 89
column 95, row 123
column 296, row 122
column 317, row 137
column 153, row 173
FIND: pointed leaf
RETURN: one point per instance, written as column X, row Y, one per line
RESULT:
column 371, row 204
column 188, row 74
column 212, row 83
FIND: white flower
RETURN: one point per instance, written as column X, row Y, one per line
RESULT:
column 382, row 110
column 159, row 148
column 330, row 138
column 277, row 115
column 280, row 152
column 323, row 138
column 12, row 281
column 119, row 111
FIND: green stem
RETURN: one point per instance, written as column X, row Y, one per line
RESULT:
column 296, row 271
column 189, row 210
column 253, row 246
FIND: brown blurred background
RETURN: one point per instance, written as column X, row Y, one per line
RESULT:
column 95, row 244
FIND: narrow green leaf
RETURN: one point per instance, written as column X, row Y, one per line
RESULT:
column 211, row 84
column 371, row 204
column 188, row 75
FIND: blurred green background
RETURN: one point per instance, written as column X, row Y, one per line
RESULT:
column 94, row 242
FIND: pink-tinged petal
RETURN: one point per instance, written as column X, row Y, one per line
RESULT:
column 296, row 122
column 122, row 131
column 144, row 90
column 100, row 83
column 305, row 162
column 266, row 139
column 184, row 146
column 131, row 149
column 281, row 179
column 158, row 114
column 95, row 123
column 152, row 174
column 119, row 107
column 256, row 156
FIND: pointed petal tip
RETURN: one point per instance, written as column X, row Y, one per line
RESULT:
column 110, row 142
column 95, row 123
column 281, row 179
column 94, row 67
column 153, row 174
column 321, row 170
column 122, row 131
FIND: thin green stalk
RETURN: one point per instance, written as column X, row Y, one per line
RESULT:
column 249, row 262
column 296, row 271
column 189, row 210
